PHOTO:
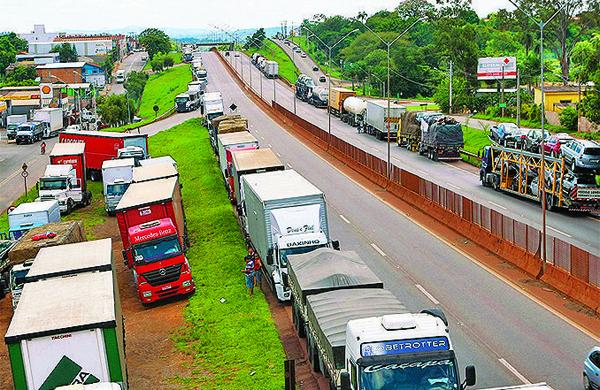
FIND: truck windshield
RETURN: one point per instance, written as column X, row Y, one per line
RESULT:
column 430, row 375
column 153, row 251
column 18, row 278
column 284, row 253
column 116, row 189
column 53, row 184
column 180, row 100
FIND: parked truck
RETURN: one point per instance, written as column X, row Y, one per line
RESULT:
column 53, row 117
column 60, row 183
column 355, row 110
column 226, row 124
column 158, row 161
column 248, row 162
column 304, row 87
column 27, row 216
column 230, row 143
column 30, row 132
column 519, row 172
column 12, row 124
column 197, row 87
column 117, row 175
column 57, row 337
column 358, row 333
column 319, row 97
column 271, row 69
column 283, row 214
column 102, row 146
column 378, row 119
column 212, row 105
column 187, row 101
column 336, row 99
column 164, row 170
column 442, row 139
column 154, row 235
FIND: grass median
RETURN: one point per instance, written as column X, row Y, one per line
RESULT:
column 287, row 69
column 235, row 344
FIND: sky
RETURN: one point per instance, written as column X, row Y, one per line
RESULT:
column 61, row 15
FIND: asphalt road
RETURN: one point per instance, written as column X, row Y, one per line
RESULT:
column 305, row 65
column 508, row 336
column 132, row 62
column 581, row 230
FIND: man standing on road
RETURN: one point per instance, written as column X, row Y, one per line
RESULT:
column 43, row 148
column 249, row 271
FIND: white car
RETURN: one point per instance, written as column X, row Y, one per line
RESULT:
column 73, row 128
column 303, row 55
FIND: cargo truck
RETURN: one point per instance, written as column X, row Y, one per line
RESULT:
column 53, row 117
column 518, row 172
column 197, row 87
column 378, row 119
column 354, row 112
column 283, row 214
column 12, row 124
column 336, row 99
column 57, row 337
column 271, row 69
column 358, row 333
column 102, row 146
column 248, row 162
column 30, row 132
column 158, row 160
column 442, row 139
column 319, row 97
column 164, row 170
column 187, row 101
column 117, row 175
column 304, row 87
column 60, row 183
column 27, row 216
column 212, row 105
column 230, row 143
column 154, row 234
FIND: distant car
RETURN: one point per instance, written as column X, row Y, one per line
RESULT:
column 323, row 79
column 237, row 54
column 533, row 140
column 303, row 55
column 297, row 50
column 503, row 133
column 315, row 68
column 591, row 370
column 554, row 143
column 136, row 119
column 582, row 155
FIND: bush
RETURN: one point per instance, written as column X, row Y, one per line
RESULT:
column 157, row 65
column 569, row 118
column 168, row 61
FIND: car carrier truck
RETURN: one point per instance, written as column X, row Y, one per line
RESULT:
column 154, row 235
column 283, row 214
column 519, row 172
column 102, row 146
column 248, row 162
column 117, row 175
column 360, row 336
column 57, row 337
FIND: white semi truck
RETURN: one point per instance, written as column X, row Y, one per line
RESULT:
column 283, row 214
column 360, row 336
column 212, row 105
column 53, row 117
column 60, row 182
column 12, row 124
column 116, row 177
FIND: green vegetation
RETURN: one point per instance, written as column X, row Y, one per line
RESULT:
column 163, row 61
column 66, row 51
column 155, row 41
column 318, row 55
column 234, row 344
column 428, row 107
column 271, row 51
column 475, row 140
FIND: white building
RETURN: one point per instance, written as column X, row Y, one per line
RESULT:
column 39, row 34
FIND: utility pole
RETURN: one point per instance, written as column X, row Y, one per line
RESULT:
column 502, row 93
column 518, row 97
column 451, row 75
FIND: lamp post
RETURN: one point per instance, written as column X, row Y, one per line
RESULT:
column 329, row 48
column 542, row 25
column 389, row 105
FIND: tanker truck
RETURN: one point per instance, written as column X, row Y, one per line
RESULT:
column 354, row 112
column 318, row 97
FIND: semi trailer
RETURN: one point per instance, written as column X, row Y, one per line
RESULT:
column 146, row 173
column 248, row 162
column 230, row 143
column 379, row 122
column 336, row 99
column 212, row 105
column 117, row 175
column 53, row 117
column 441, row 139
column 354, row 112
column 283, row 214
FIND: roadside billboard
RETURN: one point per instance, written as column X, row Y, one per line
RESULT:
column 492, row 68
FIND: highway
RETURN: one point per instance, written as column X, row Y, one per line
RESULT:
column 507, row 335
column 132, row 62
column 305, row 65
column 579, row 229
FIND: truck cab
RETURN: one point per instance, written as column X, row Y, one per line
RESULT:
column 183, row 103
column 60, row 182
column 160, row 268
column 402, row 351
column 18, row 273
column 30, row 132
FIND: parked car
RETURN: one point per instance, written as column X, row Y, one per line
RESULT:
column 582, row 155
column 503, row 133
column 591, row 370
column 322, row 79
column 315, row 68
column 554, row 143
column 303, row 55
column 533, row 140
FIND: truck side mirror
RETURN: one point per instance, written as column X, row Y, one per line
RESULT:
column 470, row 376
column 335, row 245
column 270, row 259
column 345, row 380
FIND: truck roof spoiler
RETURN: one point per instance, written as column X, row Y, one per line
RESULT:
column 436, row 313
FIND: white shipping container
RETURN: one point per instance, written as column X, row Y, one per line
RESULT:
column 52, row 116
column 377, row 110
column 29, row 215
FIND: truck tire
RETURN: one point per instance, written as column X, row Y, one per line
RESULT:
column 94, row 175
column 434, row 155
column 70, row 206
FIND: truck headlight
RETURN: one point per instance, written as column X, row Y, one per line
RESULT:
column 187, row 283
column 147, row 294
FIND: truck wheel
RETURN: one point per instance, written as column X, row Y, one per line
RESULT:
column 434, row 156
column 550, row 202
column 70, row 205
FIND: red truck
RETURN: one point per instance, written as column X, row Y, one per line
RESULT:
column 102, row 146
column 154, row 234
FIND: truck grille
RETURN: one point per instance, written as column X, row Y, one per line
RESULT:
column 164, row 275
column 47, row 197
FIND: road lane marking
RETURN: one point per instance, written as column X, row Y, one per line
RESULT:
column 378, row 250
column 289, row 165
column 453, row 186
column 426, row 293
column 278, row 154
column 497, row 205
column 514, row 371
column 261, row 137
column 269, row 145
column 344, row 219
column 558, row 231
column 460, row 169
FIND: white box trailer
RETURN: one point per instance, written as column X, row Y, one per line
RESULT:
column 212, row 105
column 158, row 160
column 67, row 330
column 229, row 143
column 53, row 117
column 117, row 175
column 271, row 69
column 29, row 215
column 12, row 124
column 248, row 162
column 154, row 172
column 376, row 122
column 71, row 259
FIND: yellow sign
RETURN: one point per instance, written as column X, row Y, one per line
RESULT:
column 3, row 106
column 392, row 120
column 22, row 97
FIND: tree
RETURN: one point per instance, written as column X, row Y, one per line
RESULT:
column 157, row 65
column 113, row 109
column 66, row 51
column 10, row 45
column 255, row 39
column 135, row 84
column 155, row 41
column 569, row 118
column 21, row 74
column 590, row 71
column 460, row 95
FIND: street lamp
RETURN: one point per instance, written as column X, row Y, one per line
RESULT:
column 330, row 48
column 542, row 25
column 389, row 105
